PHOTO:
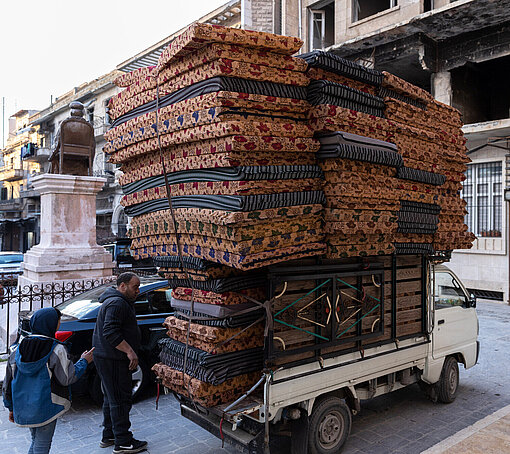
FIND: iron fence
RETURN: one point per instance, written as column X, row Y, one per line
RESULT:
column 16, row 299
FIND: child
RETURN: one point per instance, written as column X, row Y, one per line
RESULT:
column 39, row 372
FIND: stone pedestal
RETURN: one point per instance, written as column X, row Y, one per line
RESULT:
column 68, row 250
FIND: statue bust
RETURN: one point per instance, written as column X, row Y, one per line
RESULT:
column 75, row 145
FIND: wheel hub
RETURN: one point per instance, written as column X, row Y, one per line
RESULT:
column 137, row 378
column 330, row 430
column 452, row 381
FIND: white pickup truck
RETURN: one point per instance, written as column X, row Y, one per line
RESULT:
column 314, row 401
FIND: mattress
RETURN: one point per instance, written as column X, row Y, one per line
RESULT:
column 208, row 368
column 247, row 173
column 205, row 394
column 217, row 84
column 213, row 339
column 246, row 262
column 333, row 63
column 213, row 127
column 331, row 93
column 124, row 103
column 225, row 298
column 238, row 232
column 214, row 310
column 198, row 35
column 343, row 145
column 422, row 176
column 230, row 202
column 225, row 143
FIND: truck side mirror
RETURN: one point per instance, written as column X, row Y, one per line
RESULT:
column 472, row 300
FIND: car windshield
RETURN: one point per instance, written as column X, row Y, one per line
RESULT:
column 80, row 304
column 10, row 258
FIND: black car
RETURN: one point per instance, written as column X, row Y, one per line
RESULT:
column 78, row 320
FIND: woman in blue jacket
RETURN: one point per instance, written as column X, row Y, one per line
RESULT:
column 37, row 379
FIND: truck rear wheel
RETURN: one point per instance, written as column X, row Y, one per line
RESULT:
column 449, row 381
column 329, row 426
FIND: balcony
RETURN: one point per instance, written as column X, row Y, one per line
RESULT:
column 10, row 205
column 8, row 173
column 40, row 155
column 100, row 127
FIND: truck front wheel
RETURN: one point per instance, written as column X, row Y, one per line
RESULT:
column 449, row 381
column 329, row 426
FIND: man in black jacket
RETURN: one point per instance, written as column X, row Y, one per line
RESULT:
column 116, row 340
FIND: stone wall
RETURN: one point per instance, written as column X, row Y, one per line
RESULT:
column 257, row 15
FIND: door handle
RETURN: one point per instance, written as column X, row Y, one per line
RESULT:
column 440, row 322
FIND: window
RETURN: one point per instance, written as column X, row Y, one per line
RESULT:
column 322, row 26
column 366, row 8
column 482, row 190
column 447, row 291
column 154, row 302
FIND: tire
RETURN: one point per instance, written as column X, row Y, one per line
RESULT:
column 449, row 381
column 141, row 378
column 329, row 426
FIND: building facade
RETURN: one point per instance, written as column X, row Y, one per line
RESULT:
column 31, row 142
column 19, row 206
column 459, row 51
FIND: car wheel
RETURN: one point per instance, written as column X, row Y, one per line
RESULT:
column 140, row 379
column 449, row 381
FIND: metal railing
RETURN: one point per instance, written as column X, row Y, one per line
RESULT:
column 27, row 298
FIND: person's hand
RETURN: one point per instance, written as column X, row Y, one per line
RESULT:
column 88, row 355
column 11, row 416
column 133, row 360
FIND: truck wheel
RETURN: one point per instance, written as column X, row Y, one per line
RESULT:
column 329, row 427
column 449, row 381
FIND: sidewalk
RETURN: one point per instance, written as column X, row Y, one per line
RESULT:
column 490, row 435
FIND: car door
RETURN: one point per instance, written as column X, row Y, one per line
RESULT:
column 455, row 321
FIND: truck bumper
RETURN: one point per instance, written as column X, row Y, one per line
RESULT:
column 240, row 439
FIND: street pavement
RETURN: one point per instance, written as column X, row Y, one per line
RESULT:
column 400, row 422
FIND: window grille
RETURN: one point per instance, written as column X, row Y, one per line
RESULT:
column 483, row 191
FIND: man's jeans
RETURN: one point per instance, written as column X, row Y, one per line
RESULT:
column 41, row 438
column 116, row 384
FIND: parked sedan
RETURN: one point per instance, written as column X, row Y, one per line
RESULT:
column 79, row 317
column 10, row 267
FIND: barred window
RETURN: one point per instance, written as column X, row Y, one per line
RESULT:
column 483, row 191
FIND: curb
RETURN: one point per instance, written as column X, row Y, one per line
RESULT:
column 462, row 435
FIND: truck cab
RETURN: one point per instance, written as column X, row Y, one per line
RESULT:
column 454, row 323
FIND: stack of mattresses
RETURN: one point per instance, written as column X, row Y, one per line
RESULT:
column 233, row 127
column 422, row 207
column 227, row 110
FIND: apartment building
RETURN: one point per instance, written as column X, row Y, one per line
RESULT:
column 460, row 52
column 31, row 142
column 19, row 206
column 94, row 95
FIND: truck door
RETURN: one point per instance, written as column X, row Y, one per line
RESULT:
column 455, row 321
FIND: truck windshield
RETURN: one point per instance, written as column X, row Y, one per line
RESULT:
column 447, row 291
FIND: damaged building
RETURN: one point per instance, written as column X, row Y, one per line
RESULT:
column 458, row 51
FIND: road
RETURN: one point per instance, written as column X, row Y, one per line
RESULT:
column 401, row 422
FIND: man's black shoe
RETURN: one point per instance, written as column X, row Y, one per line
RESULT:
column 105, row 442
column 133, row 447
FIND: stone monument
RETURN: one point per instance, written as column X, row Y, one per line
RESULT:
column 68, row 250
